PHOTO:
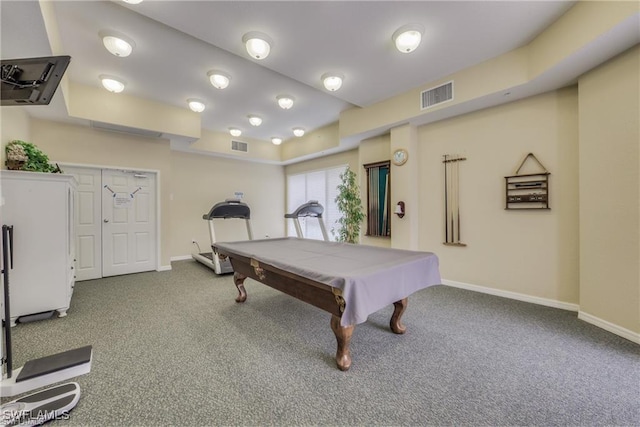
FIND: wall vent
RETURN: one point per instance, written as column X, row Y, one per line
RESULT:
column 436, row 95
column 239, row 146
column 125, row 129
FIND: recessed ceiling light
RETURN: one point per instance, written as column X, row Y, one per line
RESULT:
column 285, row 101
column 219, row 79
column 255, row 120
column 298, row 132
column 407, row 38
column 332, row 81
column 116, row 43
column 258, row 44
column 196, row 105
column 276, row 140
column 112, row 84
column 133, row 1
column 235, row 131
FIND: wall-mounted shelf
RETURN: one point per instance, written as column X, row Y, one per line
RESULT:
column 527, row 191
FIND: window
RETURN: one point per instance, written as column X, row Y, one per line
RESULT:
column 378, row 209
column 318, row 185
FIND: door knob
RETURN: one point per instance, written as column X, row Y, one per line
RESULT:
column 105, row 220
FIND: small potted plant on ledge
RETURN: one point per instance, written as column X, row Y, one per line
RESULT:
column 26, row 156
column 350, row 206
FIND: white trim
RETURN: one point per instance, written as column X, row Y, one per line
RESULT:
column 180, row 258
column 513, row 295
column 608, row 326
column 164, row 268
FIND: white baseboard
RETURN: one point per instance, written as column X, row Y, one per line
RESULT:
column 164, row 268
column 180, row 257
column 608, row 326
column 513, row 295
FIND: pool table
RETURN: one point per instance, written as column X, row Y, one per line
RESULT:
column 348, row 281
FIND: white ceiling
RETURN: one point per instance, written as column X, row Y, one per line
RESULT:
column 179, row 41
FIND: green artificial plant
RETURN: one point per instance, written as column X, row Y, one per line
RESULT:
column 350, row 206
column 29, row 157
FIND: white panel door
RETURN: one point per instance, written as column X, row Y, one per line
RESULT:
column 88, row 222
column 128, row 222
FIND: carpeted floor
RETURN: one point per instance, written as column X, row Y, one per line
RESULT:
column 173, row 348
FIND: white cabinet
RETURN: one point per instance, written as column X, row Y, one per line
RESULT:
column 40, row 206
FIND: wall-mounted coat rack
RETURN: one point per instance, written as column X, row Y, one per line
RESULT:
column 527, row 191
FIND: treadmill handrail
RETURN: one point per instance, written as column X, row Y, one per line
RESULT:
column 230, row 208
column 310, row 209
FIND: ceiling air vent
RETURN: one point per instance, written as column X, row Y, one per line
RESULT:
column 436, row 95
column 239, row 146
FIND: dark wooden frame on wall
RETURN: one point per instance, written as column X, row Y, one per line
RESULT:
column 527, row 191
column 367, row 167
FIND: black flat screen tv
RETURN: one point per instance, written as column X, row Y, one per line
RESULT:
column 31, row 81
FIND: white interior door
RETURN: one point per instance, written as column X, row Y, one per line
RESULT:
column 88, row 222
column 128, row 222
column 93, row 250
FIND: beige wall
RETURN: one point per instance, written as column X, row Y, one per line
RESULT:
column 317, row 141
column 533, row 252
column 83, row 145
column 345, row 158
column 405, row 187
column 610, row 191
column 198, row 182
column 14, row 124
column 495, row 75
column 94, row 103
column 585, row 22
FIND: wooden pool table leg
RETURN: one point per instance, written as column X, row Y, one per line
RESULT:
column 238, row 279
column 343, row 336
column 398, row 309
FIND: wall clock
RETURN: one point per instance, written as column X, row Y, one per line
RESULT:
column 400, row 157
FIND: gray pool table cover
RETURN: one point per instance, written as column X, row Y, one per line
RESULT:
column 370, row 277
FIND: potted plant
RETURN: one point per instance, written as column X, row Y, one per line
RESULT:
column 26, row 156
column 350, row 206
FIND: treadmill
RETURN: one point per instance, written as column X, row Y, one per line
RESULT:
column 311, row 209
column 229, row 209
